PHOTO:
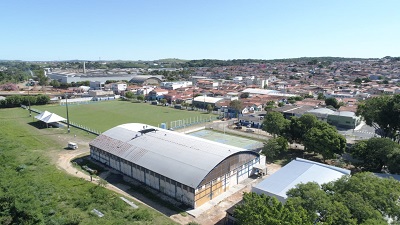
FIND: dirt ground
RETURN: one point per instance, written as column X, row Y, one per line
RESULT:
column 215, row 215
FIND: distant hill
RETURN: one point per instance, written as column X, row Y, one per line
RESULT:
column 172, row 60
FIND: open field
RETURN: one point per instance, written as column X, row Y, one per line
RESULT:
column 34, row 191
column 102, row 116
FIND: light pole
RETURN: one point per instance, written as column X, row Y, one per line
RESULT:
column 66, row 105
column 29, row 101
column 204, row 101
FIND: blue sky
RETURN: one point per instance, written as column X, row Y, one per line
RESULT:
column 185, row 29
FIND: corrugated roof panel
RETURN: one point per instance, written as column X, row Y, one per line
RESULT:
column 299, row 171
column 186, row 159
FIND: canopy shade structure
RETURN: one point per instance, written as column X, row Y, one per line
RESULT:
column 43, row 115
column 51, row 118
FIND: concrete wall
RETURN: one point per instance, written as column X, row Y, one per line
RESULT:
column 176, row 190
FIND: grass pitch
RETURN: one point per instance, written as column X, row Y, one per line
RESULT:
column 102, row 116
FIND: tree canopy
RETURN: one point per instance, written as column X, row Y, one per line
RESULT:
column 383, row 113
column 299, row 126
column 237, row 106
column 325, row 140
column 262, row 209
column 17, row 100
column 332, row 102
column 359, row 199
column 274, row 123
column 376, row 153
column 275, row 146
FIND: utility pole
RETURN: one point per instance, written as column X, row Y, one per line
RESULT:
column 66, row 105
column 204, row 101
column 193, row 98
column 29, row 100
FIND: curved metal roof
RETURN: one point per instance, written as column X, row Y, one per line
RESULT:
column 183, row 158
column 143, row 78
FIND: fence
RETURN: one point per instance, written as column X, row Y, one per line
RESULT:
column 77, row 101
column 224, row 127
column 192, row 121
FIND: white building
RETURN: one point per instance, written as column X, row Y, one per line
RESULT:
column 296, row 172
column 237, row 79
column 118, row 87
column 176, row 84
column 189, row 169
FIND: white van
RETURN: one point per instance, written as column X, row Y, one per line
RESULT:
column 72, row 145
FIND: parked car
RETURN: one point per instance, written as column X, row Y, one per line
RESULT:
column 72, row 145
column 238, row 127
column 249, row 130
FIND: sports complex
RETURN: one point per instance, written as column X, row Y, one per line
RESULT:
column 192, row 169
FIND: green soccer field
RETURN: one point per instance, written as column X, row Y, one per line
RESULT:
column 102, row 116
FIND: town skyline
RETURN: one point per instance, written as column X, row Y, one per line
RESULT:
column 151, row 30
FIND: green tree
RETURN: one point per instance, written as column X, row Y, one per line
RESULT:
column 269, row 106
column 321, row 96
column 275, row 146
column 55, row 83
column 332, row 102
column 41, row 77
column 376, row 153
column 338, row 214
column 367, row 196
column 163, row 101
column 311, row 197
column 359, row 199
column 325, row 140
column 393, row 163
column 357, row 80
column 274, row 123
column 237, row 106
column 244, row 95
column 184, row 104
column 319, row 205
column 42, row 99
column 383, row 113
column 308, row 96
column 299, row 126
column 140, row 97
column 209, row 108
column 129, row 94
column 262, row 209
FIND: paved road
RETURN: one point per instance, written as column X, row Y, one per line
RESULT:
column 361, row 132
